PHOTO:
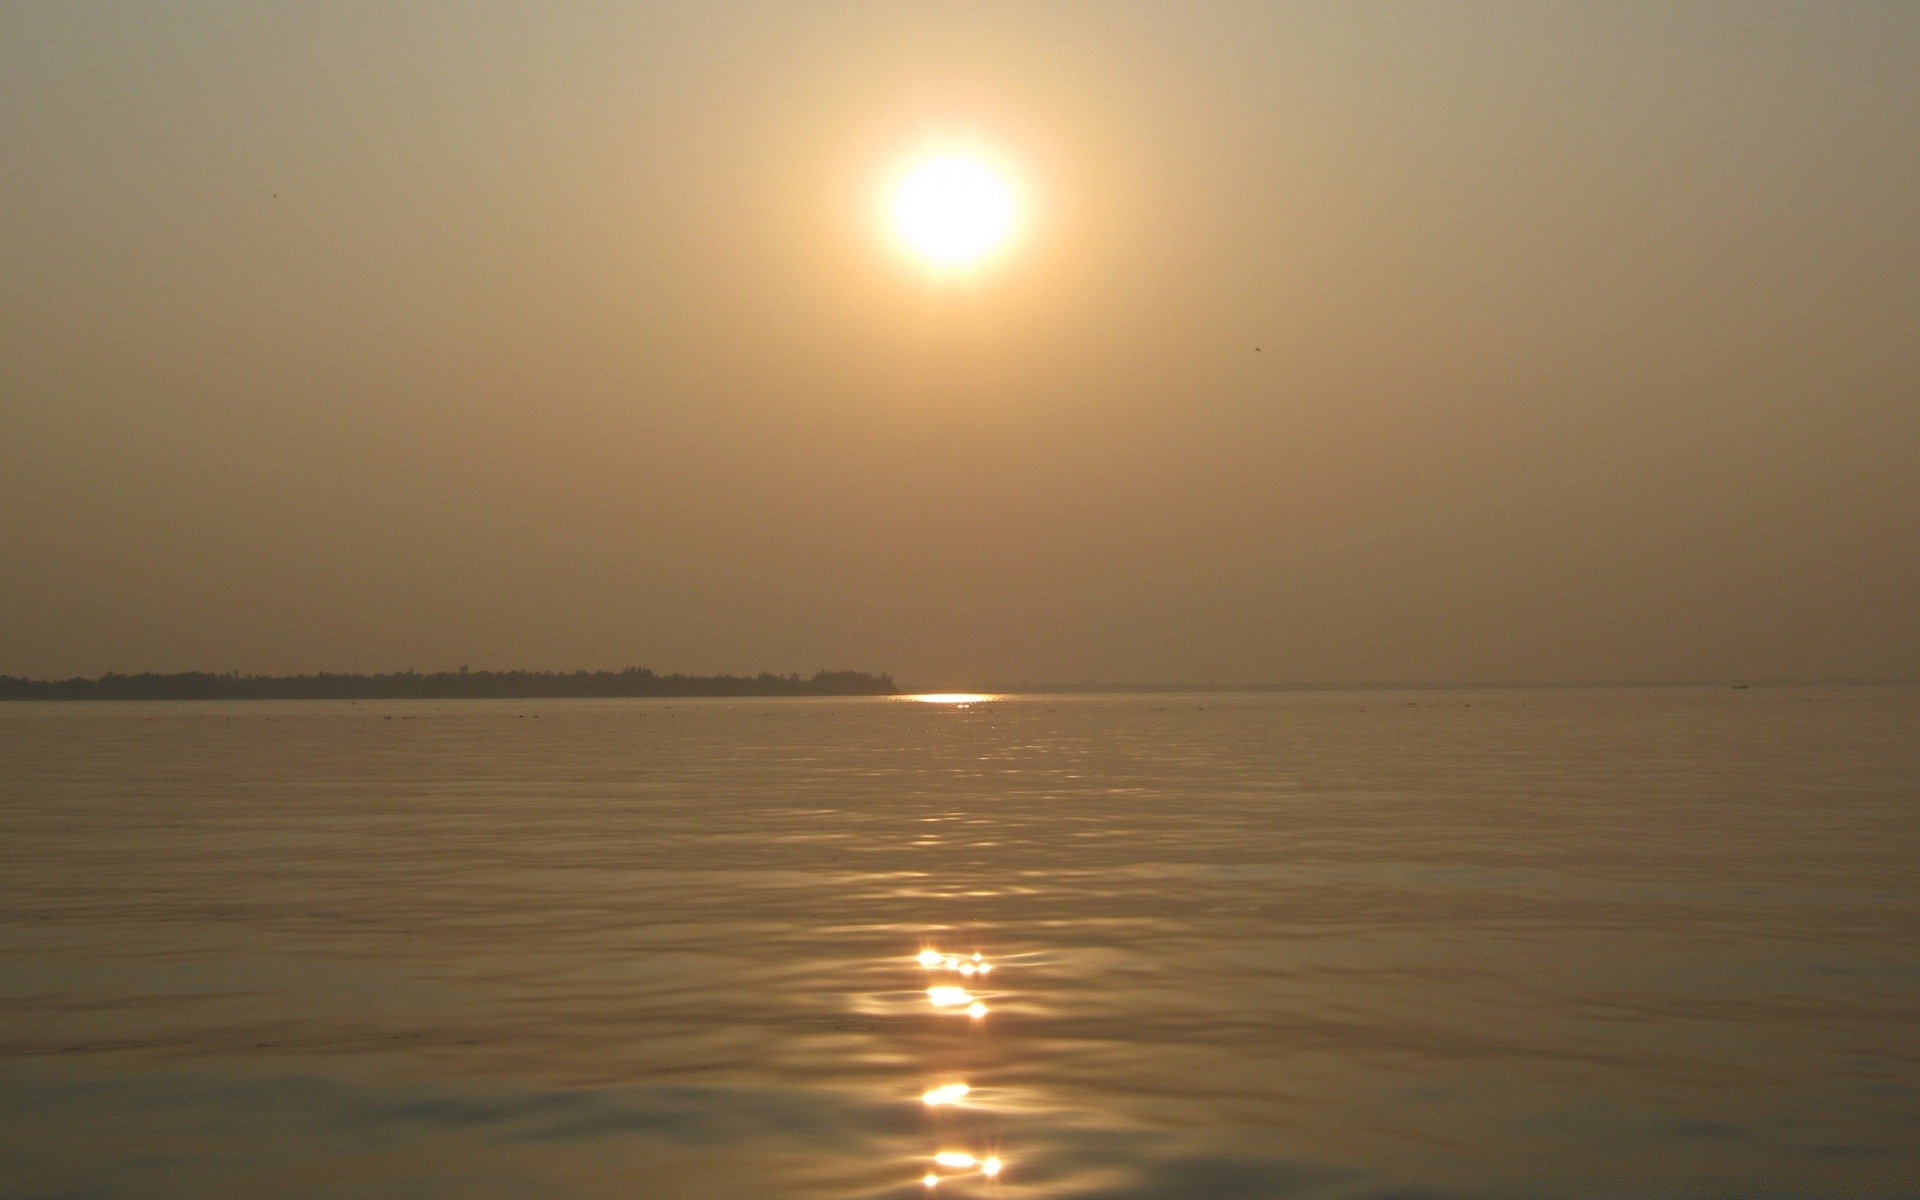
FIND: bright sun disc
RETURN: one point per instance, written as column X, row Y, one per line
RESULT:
column 953, row 209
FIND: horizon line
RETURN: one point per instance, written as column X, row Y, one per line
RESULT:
column 1002, row 688
column 1097, row 687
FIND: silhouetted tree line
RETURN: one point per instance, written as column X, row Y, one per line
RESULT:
column 441, row 685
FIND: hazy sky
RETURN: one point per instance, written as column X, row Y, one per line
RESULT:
column 374, row 336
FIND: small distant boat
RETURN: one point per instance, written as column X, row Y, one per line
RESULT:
column 1740, row 687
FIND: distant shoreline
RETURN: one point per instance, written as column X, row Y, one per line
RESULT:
column 443, row 685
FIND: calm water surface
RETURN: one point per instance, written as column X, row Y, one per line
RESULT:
column 1511, row 943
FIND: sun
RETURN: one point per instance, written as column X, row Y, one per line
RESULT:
column 953, row 209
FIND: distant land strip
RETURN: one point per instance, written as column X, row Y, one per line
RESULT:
column 442, row 685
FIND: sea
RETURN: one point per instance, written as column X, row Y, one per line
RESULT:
column 1655, row 942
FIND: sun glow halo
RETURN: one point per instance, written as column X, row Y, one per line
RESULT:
column 952, row 209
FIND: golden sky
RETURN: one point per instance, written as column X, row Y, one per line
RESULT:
column 1330, row 342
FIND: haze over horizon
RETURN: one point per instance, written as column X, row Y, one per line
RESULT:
column 1332, row 343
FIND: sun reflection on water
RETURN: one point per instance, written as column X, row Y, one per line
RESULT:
column 957, row 1164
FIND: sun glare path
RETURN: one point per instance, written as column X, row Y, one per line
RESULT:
column 946, row 997
column 950, row 697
